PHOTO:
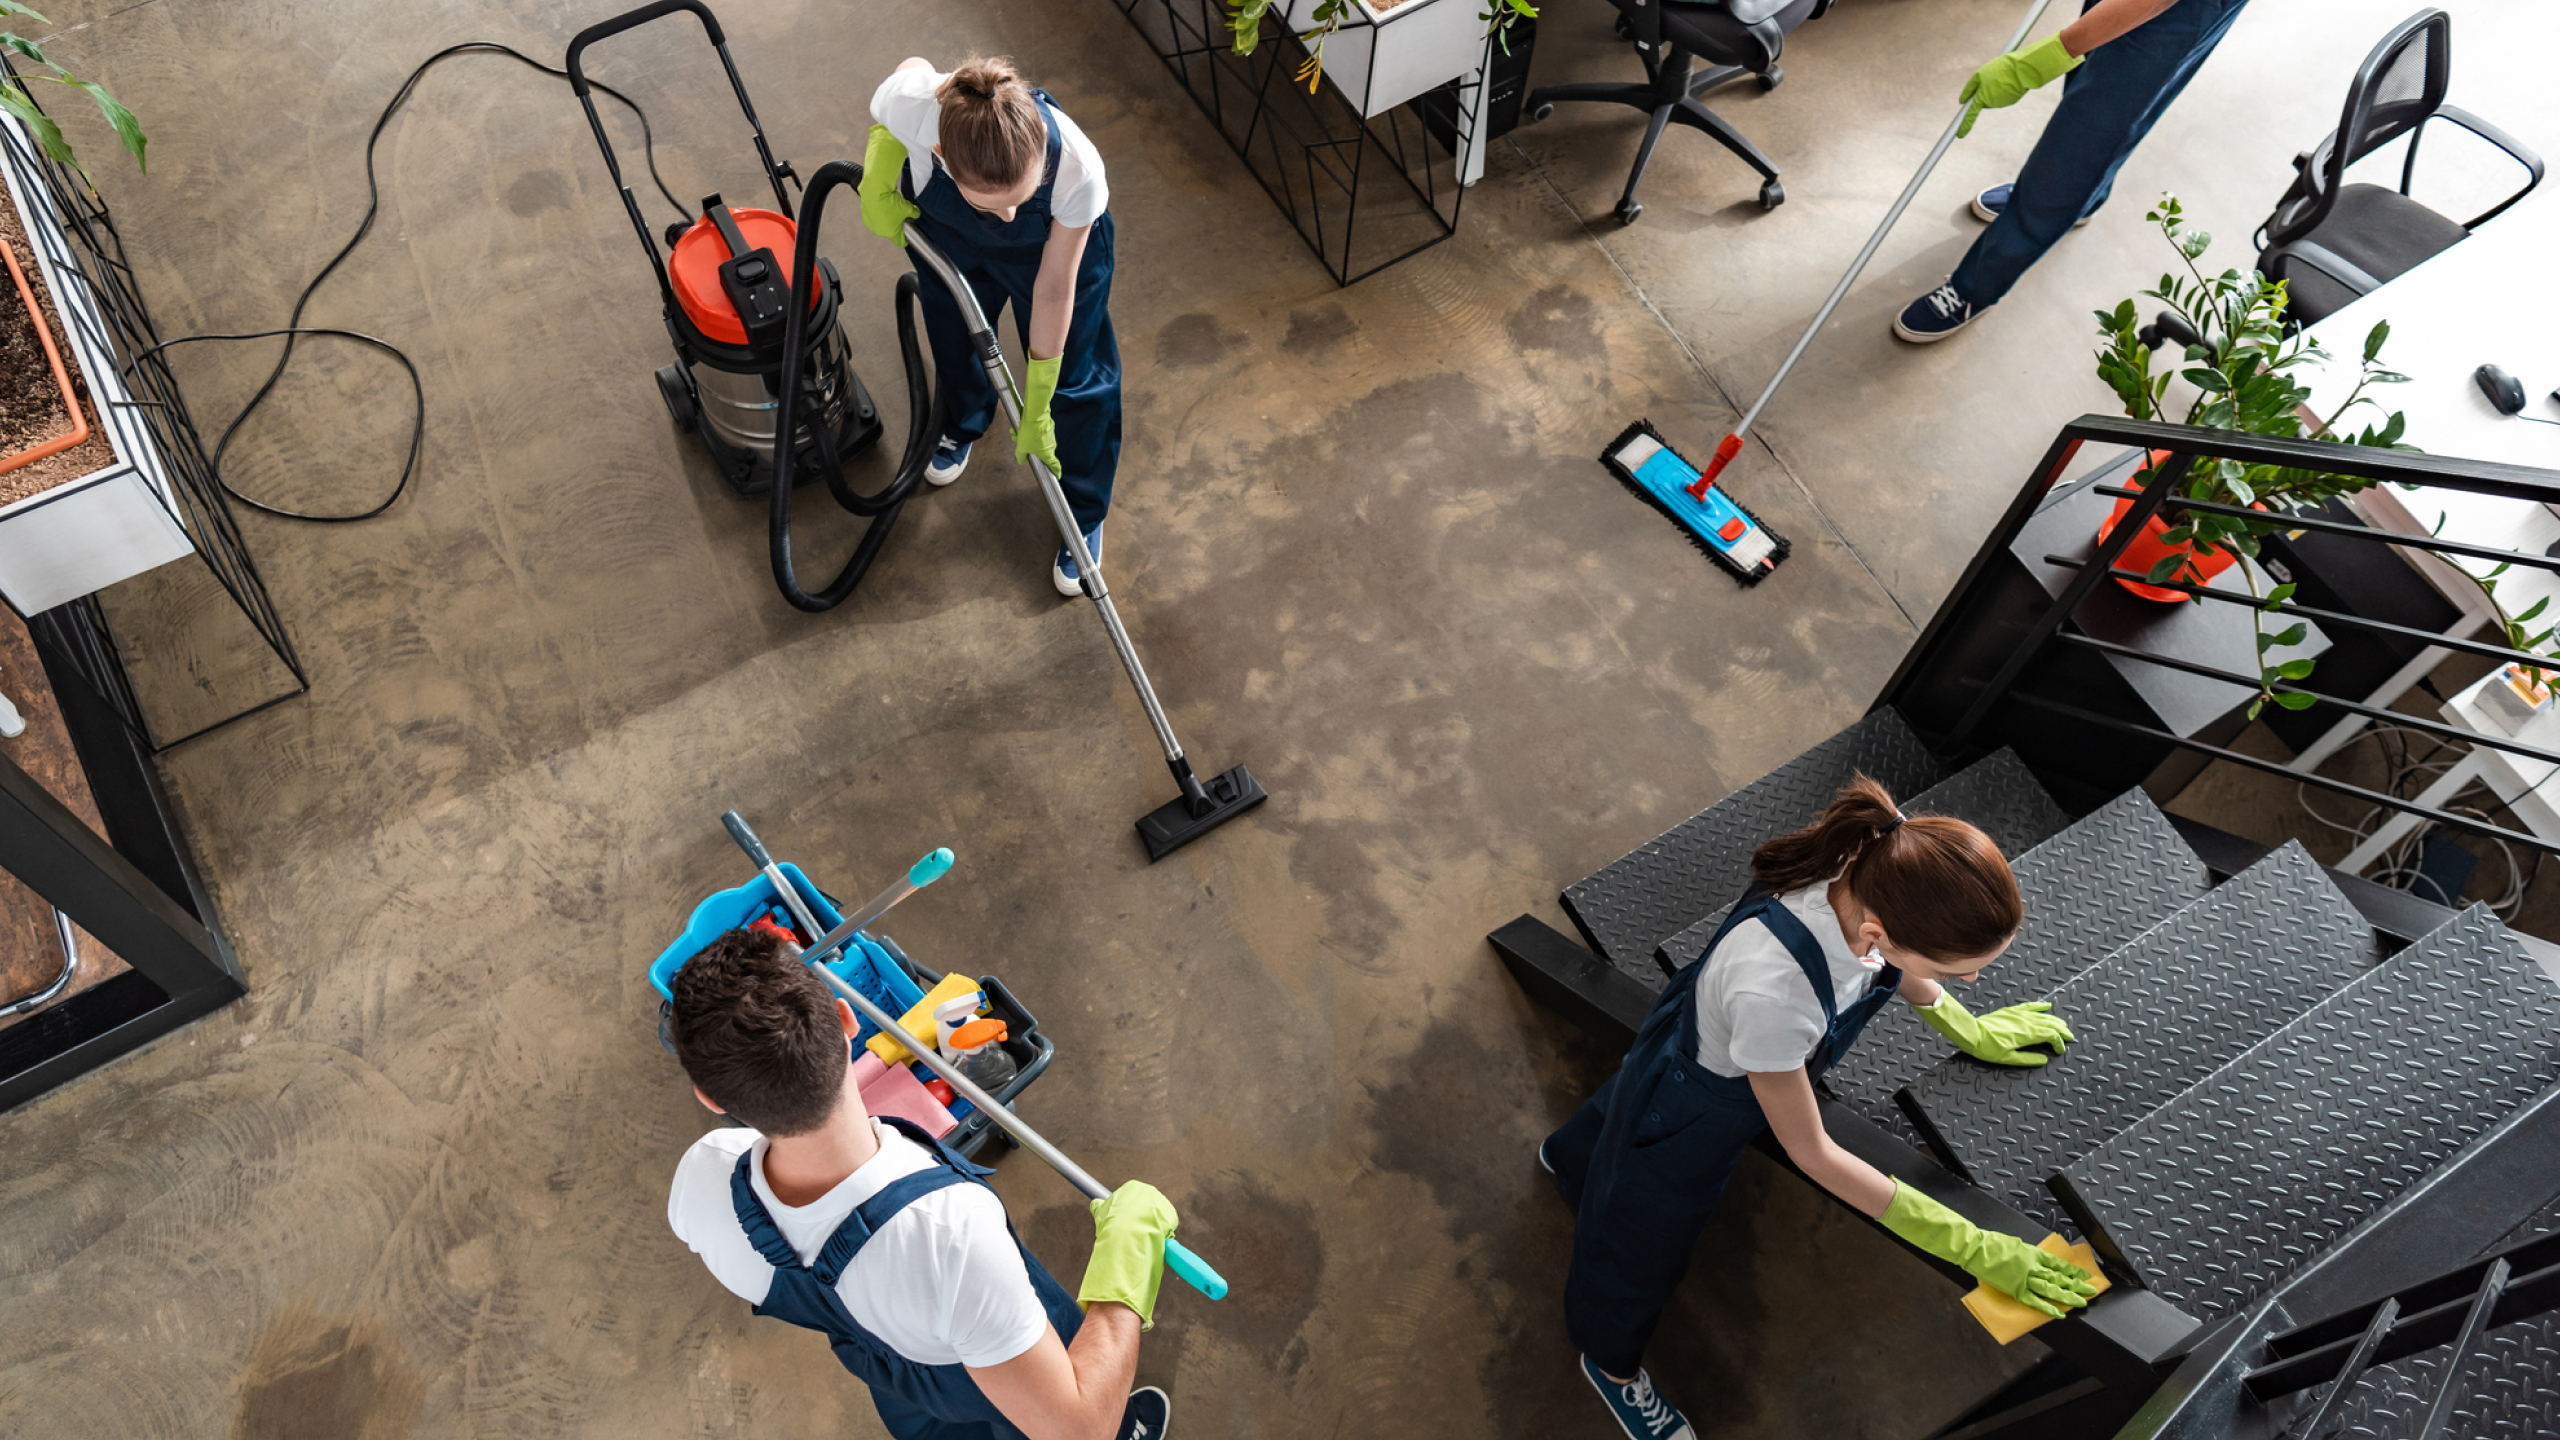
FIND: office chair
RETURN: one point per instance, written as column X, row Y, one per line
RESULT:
column 1736, row 37
column 2331, row 241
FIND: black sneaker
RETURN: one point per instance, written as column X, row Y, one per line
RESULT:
column 1988, row 204
column 1641, row 1410
column 1935, row 316
column 1149, row 1411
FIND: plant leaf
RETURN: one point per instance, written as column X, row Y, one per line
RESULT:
column 128, row 129
column 49, row 135
column 2373, row 339
column 2297, row 700
column 2257, row 705
column 2290, row 635
column 2295, row 669
column 2536, row 608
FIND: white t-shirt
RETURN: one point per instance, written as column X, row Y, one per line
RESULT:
column 905, row 103
column 1756, row 1010
column 942, row 1283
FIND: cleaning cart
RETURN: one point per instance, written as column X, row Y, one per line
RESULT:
column 894, row 981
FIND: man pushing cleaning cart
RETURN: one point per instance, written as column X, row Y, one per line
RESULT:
column 835, row 1203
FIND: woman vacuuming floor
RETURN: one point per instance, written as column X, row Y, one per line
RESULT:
column 1002, row 182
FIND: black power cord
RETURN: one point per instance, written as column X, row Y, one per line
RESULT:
column 293, row 328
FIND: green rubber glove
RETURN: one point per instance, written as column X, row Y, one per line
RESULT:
column 2006, row 79
column 1999, row 1037
column 1129, row 1231
column 1038, row 434
column 885, row 212
column 2004, row 1262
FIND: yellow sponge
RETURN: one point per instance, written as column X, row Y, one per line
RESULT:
column 918, row 1021
column 2002, row 1315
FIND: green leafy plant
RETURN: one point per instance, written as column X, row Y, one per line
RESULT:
column 2241, row 369
column 15, row 100
column 1244, row 23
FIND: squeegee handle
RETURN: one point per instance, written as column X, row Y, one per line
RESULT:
column 1901, row 203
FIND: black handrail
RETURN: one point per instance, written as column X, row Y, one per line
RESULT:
column 2186, row 446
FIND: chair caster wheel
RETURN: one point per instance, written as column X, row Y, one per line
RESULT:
column 1625, row 30
column 1542, row 112
column 1769, row 81
column 1772, row 195
column 1629, row 210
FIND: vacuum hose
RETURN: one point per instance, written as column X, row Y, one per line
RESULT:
column 924, row 415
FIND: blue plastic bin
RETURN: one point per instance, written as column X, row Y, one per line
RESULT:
column 864, row 965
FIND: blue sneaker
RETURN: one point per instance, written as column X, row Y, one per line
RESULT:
column 1935, row 316
column 1147, row 1414
column 1988, row 205
column 1063, row 573
column 1641, row 1410
column 950, row 457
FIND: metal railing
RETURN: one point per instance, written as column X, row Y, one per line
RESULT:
column 2188, row 447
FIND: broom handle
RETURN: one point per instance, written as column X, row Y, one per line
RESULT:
column 1733, row 441
column 1177, row 1257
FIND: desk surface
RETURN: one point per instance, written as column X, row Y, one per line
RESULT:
column 2489, row 299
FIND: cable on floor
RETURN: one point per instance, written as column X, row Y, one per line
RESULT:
column 293, row 329
column 2409, row 775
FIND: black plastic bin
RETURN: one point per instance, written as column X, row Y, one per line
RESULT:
column 1030, row 1050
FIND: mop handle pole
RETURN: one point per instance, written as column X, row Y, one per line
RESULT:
column 1177, row 1257
column 1903, row 202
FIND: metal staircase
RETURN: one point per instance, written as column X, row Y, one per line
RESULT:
column 2261, row 1071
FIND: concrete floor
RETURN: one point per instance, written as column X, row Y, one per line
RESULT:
column 412, row 1185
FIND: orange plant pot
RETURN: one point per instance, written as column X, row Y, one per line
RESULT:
column 79, row 431
column 2148, row 549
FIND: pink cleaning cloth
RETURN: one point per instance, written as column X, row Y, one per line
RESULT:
column 894, row 1090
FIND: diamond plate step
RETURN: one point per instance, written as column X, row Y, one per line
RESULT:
column 2160, row 1013
column 2219, row 1194
column 2510, row 1390
column 2113, row 873
column 1628, row 907
column 1997, row 793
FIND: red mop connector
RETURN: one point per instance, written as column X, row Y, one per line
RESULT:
column 1726, row 449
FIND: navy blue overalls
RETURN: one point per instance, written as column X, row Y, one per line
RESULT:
column 1000, row 259
column 916, row 1402
column 1646, row 1159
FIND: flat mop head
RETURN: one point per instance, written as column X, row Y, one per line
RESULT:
column 1717, row 523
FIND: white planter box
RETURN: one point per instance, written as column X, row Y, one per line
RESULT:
column 1398, row 53
column 114, row 522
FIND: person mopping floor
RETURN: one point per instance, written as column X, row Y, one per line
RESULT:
column 2139, row 54
column 1001, row 181
column 872, row 1233
column 1842, row 916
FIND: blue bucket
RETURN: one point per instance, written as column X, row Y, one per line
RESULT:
column 863, row 964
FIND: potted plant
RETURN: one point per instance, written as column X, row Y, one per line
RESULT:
column 2239, row 360
column 1391, row 50
column 83, row 500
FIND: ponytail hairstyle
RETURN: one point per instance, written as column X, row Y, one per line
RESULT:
column 1938, row 885
column 992, row 133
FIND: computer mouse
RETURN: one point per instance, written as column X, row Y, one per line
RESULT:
column 2504, row 390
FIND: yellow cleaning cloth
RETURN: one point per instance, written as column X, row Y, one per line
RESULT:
column 918, row 1021
column 2004, row 1317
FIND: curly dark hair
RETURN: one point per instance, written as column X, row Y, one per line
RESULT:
column 758, row 1033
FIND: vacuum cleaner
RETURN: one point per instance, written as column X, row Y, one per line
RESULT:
column 786, row 403
column 723, row 284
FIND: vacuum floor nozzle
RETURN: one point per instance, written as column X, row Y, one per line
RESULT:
column 1174, row 824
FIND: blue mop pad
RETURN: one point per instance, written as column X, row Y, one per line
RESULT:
column 1731, row 535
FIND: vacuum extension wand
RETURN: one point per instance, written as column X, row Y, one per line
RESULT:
column 1178, row 1258
column 1731, row 445
column 1201, row 808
